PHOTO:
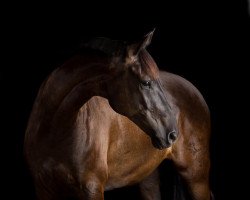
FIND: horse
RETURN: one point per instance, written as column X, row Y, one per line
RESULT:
column 108, row 117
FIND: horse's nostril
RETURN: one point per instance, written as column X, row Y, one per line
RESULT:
column 172, row 136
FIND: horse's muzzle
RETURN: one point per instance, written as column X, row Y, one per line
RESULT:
column 161, row 143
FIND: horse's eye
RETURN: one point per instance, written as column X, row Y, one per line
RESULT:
column 146, row 83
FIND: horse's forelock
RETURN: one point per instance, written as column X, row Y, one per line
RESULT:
column 148, row 64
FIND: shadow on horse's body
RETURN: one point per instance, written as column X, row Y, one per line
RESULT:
column 76, row 145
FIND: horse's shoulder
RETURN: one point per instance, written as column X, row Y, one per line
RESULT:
column 99, row 107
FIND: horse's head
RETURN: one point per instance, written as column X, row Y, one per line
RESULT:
column 136, row 92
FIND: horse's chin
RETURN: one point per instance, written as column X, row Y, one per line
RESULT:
column 160, row 143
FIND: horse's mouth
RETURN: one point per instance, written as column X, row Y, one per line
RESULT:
column 159, row 143
column 162, row 143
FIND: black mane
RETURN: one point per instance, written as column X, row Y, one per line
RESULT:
column 106, row 45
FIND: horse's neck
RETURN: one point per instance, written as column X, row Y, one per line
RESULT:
column 67, row 89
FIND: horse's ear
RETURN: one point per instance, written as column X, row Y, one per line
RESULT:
column 135, row 48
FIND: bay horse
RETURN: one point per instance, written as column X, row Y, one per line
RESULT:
column 108, row 117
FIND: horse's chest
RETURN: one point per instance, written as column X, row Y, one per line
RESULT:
column 131, row 164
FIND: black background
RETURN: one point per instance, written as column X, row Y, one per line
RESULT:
column 206, row 42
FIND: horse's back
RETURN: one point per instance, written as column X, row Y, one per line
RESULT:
column 185, row 98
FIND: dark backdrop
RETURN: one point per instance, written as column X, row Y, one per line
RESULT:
column 206, row 42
